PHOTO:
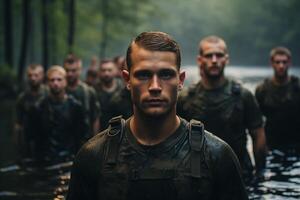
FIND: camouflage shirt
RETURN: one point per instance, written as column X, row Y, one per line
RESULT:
column 161, row 171
column 227, row 112
column 281, row 106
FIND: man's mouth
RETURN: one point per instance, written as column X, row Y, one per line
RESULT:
column 155, row 102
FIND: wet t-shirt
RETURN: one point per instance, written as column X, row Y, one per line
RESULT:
column 86, row 95
column 59, row 126
column 161, row 171
column 227, row 112
column 281, row 106
column 105, row 98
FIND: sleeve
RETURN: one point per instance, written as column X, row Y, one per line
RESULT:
column 86, row 171
column 82, row 127
column 20, row 109
column 81, row 185
column 253, row 116
column 229, row 182
column 259, row 96
column 94, row 104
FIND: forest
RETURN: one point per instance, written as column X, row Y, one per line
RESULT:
column 45, row 31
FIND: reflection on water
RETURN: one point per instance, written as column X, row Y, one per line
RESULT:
column 32, row 182
column 281, row 179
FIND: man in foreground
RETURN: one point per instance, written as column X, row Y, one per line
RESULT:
column 227, row 109
column 279, row 100
column 155, row 154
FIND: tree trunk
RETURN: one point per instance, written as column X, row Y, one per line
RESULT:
column 8, row 33
column 45, row 45
column 26, row 27
column 103, row 44
column 71, row 33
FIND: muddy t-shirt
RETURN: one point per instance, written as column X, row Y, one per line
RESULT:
column 161, row 171
column 281, row 106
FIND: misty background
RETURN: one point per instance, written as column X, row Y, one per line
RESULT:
column 45, row 31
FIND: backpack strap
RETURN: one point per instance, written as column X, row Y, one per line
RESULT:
column 86, row 94
column 236, row 88
column 196, row 139
column 115, row 135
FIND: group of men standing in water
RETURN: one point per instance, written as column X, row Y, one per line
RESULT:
column 156, row 152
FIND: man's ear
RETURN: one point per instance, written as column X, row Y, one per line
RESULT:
column 126, row 77
column 227, row 59
column 181, row 80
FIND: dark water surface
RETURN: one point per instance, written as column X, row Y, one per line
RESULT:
column 280, row 180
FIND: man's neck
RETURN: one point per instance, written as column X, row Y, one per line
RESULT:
column 153, row 130
column 109, row 86
column 34, row 90
column 209, row 83
column 59, row 97
column 73, row 86
column 281, row 80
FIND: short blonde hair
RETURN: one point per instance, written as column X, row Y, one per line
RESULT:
column 56, row 68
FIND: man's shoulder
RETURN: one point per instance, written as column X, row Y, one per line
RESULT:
column 264, row 85
column 84, row 86
column 74, row 101
column 214, row 144
column 94, row 147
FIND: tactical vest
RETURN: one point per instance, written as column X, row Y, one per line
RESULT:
column 198, row 165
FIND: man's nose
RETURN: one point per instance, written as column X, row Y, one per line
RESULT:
column 214, row 58
column 155, row 85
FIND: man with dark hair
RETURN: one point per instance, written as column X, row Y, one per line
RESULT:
column 92, row 71
column 82, row 92
column 155, row 154
column 279, row 100
column 226, row 108
column 58, row 120
column 106, row 87
column 25, row 140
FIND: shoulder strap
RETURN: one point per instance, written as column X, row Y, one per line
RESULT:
column 236, row 88
column 196, row 139
column 115, row 134
column 86, row 96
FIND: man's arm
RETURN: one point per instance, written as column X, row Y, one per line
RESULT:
column 259, row 147
column 229, row 182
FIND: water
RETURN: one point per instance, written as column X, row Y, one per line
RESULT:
column 280, row 180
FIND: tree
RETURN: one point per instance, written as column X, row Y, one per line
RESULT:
column 45, row 45
column 72, row 21
column 8, row 36
column 26, row 27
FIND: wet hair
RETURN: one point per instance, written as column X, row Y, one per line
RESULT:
column 154, row 41
column 280, row 51
column 211, row 39
column 71, row 59
column 56, row 68
column 34, row 67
